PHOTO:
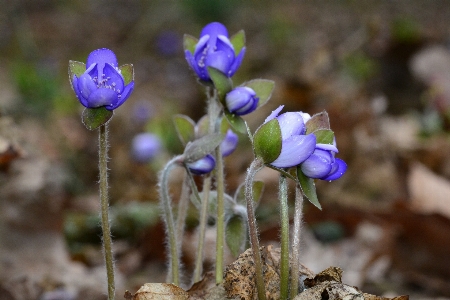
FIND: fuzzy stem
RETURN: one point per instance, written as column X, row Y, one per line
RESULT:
column 284, row 216
column 106, row 232
column 201, row 237
column 298, row 214
column 183, row 205
column 174, row 257
column 220, row 186
column 255, row 166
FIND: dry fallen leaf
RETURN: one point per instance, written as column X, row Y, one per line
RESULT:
column 158, row 291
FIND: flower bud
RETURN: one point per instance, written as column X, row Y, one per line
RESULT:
column 214, row 49
column 102, row 84
column 203, row 165
column 144, row 147
column 241, row 100
column 229, row 143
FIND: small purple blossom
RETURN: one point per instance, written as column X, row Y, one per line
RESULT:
column 214, row 49
column 323, row 165
column 203, row 165
column 229, row 143
column 241, row 100
column 144, row 147
column 102, row 84
column 296, row 146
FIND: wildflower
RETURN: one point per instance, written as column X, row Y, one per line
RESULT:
column 241, row 100
column 296, row 146
column 144, row 147
column 214, row 49
column 203, row 165
column 229, row 143
column 102, row 84
column 323, row 165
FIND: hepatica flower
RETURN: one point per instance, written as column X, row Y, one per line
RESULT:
column 144, row 147
column 214, row 49
column 241, row 100
column 323, row 165
column 102, row 84
column 281, row 141
column 203, row 165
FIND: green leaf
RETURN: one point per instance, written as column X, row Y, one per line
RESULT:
column 185, row 128
column 199, row 148
column 189, row 43
column 267, row 141
column 202, row 126
column 238, row 41
column 127, row 72
column 236, row 234
column 222, row 83
column 236, row 122
column 318, row 121
column 324, row 136
column 95, row 117
column 76, row 68
column 263, row 89
column 308, row 187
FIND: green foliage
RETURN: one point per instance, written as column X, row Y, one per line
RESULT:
column 317, row 122
column 267, row 141
column 236, row 234
column 308, row 188
column 263, row 89
column 95, row 117
column 238, row 41
column 185, row 128
column 236, row 122
column 199, row 148
column 127, row 72
column 221, row 82
column 324, row 136
column 189, row 43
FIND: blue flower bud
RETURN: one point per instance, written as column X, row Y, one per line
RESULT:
column 229, row 143
column 101, row 84
column 323, row 165
column 203, row 165
column 144, row 147
column 241, row 100
column 214, row 49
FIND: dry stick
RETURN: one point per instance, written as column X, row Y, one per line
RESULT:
column 255, row 166
column 284, row 217
column 106, row 232
column 298, row 214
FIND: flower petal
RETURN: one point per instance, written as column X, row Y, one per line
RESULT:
column 229, row 143
column 144, row 147
column 274, row 114
column 327, row 147
column 219, row 60
column 86, row 85
column 102, row 97
column 291, row 123
column 80, row 97
column 295, row 150
column 122, row 97
column 236, row 63
column 338, row 169
column 318, row 165
column 101, row 57
column 113, row 79
column 203, row 165
column 214, row 29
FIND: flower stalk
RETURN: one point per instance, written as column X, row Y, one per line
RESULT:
column 295, row 264
column 284, row 217
column 255, row 166
column 104, row 205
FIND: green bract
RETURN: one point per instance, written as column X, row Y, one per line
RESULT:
column 267, row 141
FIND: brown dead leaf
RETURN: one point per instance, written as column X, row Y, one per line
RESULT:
column 159, row 291
column 206, row 288
column 373, row 297
column 328, row 275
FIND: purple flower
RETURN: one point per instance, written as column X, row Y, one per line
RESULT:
column 241, row 100
column 144, row 147
column 102, row 84
column 203, row 165
column 229, row 143
column 214, row 49
column 323, row 165
column 296, row 147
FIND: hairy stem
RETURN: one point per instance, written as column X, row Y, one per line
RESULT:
column 174, row 256
column 106, row 231
column 284, row 216
column 201, row 237
column 220, row 186
column 255, row 166
column 183, row 205
column 298, row 214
